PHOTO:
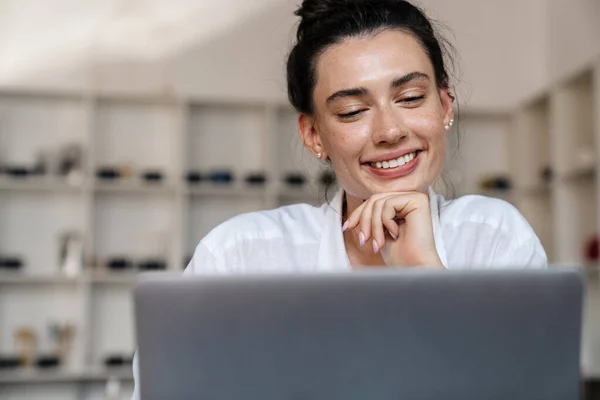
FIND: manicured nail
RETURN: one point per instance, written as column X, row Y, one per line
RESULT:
column 375, row 246
column 361, row 238
column 393, row 236
column 345, row 226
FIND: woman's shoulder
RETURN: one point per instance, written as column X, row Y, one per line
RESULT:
column 486, row 231
column 297, row 220
column 483, row 211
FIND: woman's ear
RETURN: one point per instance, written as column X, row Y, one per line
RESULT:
column 309, row 135
column 447, row 100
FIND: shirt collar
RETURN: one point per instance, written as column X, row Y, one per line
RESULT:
column 332, row 250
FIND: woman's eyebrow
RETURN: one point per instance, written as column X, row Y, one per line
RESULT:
column 353, row 92
column 408, row 78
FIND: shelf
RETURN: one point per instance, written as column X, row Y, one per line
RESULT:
column 299, row 194
column 214, row 190
column 134, row 187
column 579, row 174
column 592, row 271
column 534, row 190
column 37, row 185
column 32, row 376
column 19, row 278
column 121, row 278
column 102, row 374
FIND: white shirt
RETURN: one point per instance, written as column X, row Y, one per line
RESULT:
column 469, row 232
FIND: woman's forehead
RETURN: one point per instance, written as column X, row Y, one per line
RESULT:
column 370, row 60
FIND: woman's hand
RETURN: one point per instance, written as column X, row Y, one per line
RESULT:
column 399, row 225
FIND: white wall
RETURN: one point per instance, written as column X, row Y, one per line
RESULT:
column 234, row 49
column 502, row 45
column 573, row 35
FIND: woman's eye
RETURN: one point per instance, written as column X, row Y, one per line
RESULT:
column 412, row 99
column 350, row 114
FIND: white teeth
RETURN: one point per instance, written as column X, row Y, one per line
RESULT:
column 400, row 161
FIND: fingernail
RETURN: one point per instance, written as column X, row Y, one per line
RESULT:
column 361, row 238
column 393, row 236
column 375, row 246
column 345, row 226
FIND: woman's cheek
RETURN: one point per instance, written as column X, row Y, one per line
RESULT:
column 352, row 137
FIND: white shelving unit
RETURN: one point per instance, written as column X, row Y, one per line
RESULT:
column 128, row 218
column 141, row 221
column 560, row 130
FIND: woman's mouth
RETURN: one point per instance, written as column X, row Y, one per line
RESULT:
column 395, row 168
column 397, row 162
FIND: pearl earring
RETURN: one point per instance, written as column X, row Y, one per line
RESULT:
column 447, row 127
column 319, row 155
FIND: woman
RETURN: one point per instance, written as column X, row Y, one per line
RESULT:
column 370, row 85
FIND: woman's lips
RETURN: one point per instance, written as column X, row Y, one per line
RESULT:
column 396, row 172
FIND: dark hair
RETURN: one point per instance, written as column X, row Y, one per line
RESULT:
column 327, row 22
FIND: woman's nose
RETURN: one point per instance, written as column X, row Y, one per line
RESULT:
column 388, row 127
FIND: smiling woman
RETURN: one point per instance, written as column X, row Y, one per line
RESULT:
column 370, row 83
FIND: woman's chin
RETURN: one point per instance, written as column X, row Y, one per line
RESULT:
column 404, row 186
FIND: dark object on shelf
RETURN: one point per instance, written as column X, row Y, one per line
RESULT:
column 295, row 179
column 258, row 178
column 41, row 165
column 9, row 362
column 495, row 183
column 221, row 177
column 12, row 263
column 592, row 250
column 152, row 176
column 327, row 178
column 194, row 177
column 17, row 171
column 108, row 173
column 116, row 360
column 119, row 263
column 70, row 160
column 152, row 265
column 49, row 361
column 547, row 174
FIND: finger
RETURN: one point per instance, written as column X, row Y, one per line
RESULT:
column 364, row 224
column 401, row 206
column 392, row 227
column 354, row 218
column 377, row 227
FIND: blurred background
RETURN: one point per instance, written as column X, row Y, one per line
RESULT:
column 130, row 128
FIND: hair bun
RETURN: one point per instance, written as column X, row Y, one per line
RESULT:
column 317, row 9
column 312, row 12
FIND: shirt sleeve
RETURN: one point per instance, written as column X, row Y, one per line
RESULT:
column 528, row 254
column 203, row 262
column 522, row 248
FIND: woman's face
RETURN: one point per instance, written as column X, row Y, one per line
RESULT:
column 379, row 115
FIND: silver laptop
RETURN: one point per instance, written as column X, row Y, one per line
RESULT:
column 372, row 335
